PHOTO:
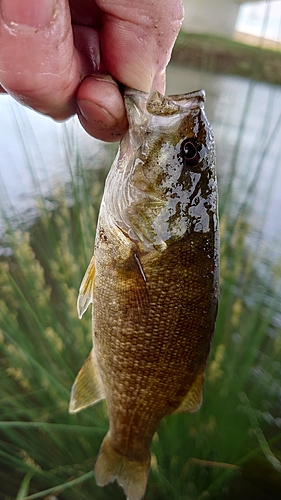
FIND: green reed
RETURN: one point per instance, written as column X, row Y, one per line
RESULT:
column 44, row 451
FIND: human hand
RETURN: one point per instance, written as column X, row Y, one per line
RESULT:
column 48, row 49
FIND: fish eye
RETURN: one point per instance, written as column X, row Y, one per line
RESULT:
column 189, row 151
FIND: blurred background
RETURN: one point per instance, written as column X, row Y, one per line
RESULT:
column 51, row 183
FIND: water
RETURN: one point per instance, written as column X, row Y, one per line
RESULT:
column 35, row 155
column 260, row 19
column 35, row 151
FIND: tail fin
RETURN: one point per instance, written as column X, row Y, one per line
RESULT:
column 130, row 474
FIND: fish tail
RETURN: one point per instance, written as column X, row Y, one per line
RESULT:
column 130, row 474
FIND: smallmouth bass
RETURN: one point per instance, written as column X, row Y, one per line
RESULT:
column 153, row 281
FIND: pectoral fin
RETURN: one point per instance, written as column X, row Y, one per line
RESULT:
column 131, row 288
column 194, row 397
column 86, row 289
column 87, row 388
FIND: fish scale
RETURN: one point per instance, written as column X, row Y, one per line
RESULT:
column 153, row 281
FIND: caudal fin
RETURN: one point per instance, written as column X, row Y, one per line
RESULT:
column 130, row 474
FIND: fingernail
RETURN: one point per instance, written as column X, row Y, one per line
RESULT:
column 92, row 112
column 33, row 13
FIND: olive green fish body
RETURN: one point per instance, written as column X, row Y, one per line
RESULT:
column 153, row 281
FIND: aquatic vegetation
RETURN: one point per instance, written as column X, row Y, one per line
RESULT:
column 45, row 451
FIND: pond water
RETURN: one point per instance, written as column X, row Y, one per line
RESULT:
column 246, row 118
column 35, row 153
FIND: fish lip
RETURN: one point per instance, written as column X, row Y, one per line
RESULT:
column 128, row 91
column 158, row 104
column 199, row 95
column 196, row 94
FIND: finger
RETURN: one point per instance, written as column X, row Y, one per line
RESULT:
column 137, row 40
column 101, row 108
column 39, row 64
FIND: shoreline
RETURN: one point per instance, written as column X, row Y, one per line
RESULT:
column 244, row 56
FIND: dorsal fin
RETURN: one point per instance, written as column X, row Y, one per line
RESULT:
column 87, row 388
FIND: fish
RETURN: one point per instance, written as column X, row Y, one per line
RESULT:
column 153, row 281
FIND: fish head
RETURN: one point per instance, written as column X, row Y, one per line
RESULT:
column 169, row 156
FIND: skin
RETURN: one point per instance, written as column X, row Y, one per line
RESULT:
column 49, row 53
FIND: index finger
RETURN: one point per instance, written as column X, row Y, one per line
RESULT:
column 137, row 40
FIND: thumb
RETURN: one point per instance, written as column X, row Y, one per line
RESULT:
column 39, row 65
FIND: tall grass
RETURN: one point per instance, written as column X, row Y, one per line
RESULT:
column 40, row 339
column 47, row 453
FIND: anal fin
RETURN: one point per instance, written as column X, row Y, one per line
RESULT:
column 193, row 399
column 85, row 296
column 87, row 388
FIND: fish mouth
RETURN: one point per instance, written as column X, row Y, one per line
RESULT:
column 160, row 105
